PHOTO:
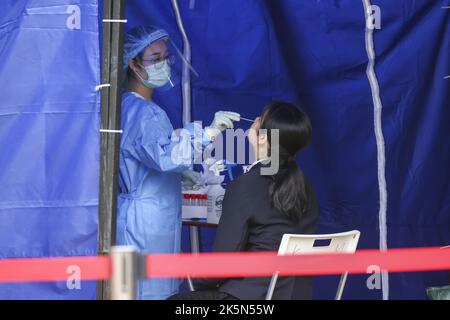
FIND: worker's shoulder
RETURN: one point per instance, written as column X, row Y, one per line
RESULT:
column 144, row 109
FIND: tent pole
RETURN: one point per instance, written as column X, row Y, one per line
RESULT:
column 113, row 34
column 186, row 73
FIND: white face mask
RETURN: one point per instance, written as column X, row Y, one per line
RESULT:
column 158, row 75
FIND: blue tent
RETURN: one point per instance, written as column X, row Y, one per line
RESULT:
column 380, row 155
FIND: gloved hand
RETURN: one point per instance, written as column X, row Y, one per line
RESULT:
column 222, row 120
column 190, row 178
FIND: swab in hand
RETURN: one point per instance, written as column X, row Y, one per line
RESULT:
column 245, row 119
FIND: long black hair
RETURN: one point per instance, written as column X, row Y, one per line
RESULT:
column 287, row 190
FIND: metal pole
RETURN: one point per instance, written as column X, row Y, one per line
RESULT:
column 124, row 273
column 272, row 284
column 341, row 286
column 186, row 111
column 186, row 75
column 194, row 237
column 110, row 120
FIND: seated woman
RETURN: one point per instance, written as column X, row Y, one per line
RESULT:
column 258, row 209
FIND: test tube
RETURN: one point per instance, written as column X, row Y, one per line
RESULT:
column 197, row 200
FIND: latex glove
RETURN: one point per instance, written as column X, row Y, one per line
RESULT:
column 222, row 120
column 190, row 178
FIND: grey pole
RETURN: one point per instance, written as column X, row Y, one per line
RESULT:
column 195, row 248
column 124, row 276
column 186, row 93
column 186, row 75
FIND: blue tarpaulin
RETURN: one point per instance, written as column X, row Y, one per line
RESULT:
column 49, row 133
column 311, row 52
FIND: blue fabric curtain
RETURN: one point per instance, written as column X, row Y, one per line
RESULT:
column 247, row 53
column 313, row 53
column 49, row 133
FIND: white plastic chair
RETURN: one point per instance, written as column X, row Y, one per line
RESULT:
column 292, row 244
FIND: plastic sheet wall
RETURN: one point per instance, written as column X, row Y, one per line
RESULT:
column 247, row 53
column 313, row 53
column 49, row 135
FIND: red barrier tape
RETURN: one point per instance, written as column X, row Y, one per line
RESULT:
column 230, row 265
column 54, row 269
column 225, row 265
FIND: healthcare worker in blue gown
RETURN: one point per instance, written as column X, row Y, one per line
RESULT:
column 152, row 162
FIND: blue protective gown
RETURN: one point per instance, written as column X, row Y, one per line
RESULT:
column 149, row 206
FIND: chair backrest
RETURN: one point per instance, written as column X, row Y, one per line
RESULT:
column 292, row 244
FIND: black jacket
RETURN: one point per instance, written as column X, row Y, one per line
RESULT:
column 249, row 223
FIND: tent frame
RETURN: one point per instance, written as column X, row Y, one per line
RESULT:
column 112, row 74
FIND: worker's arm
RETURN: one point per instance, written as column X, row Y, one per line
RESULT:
column 175, row 153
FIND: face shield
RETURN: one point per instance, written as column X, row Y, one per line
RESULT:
column 164, row 66
column 161, row 62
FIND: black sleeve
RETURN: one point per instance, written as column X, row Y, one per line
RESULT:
column 232, row 231
column 313, row 209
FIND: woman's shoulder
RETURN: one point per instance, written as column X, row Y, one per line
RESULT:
column 250, row 182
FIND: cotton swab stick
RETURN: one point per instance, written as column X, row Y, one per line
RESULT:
column 249, row 120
